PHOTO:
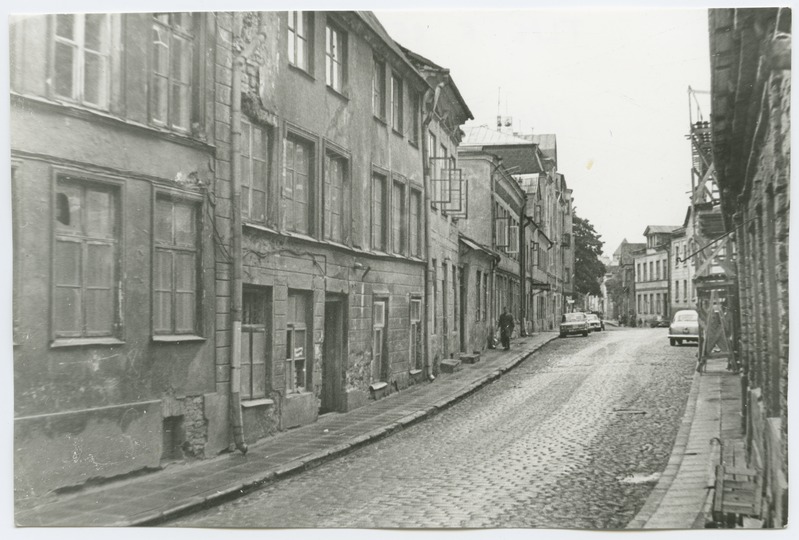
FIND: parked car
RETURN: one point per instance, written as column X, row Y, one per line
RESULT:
column 594, row 322
column 574, row 323
column 659, row 322
column 684, row 327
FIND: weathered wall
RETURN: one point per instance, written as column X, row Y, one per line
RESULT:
column 95, row 406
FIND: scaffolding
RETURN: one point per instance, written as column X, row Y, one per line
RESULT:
column 713, row 248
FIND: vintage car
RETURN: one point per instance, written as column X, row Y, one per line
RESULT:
column 574, row 323
column 594, row 322
column 684, row 327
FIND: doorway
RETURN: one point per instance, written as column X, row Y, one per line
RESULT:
column 333, row 355
column 463, row 295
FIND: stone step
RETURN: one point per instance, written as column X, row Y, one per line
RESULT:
column 470, row 358
column 450, row 365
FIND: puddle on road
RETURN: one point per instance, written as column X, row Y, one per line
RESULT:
column 639, row 478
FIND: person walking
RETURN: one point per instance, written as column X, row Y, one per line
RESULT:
column 505, row 327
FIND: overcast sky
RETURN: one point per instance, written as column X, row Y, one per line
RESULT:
column 611, row 84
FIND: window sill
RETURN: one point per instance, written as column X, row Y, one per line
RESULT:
column 257, row 403
column 187, row 338
column 398, row 133
column 415, row 144
column 338, row 93
column 380, row 120
column 85, row 342
column 302, row 72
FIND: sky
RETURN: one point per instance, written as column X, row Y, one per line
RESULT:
column 612, row 85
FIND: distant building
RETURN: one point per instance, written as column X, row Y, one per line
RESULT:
column 652, row 274
column 622, row 292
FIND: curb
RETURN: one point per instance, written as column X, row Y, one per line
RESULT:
column 652, row 502
column 226, row 493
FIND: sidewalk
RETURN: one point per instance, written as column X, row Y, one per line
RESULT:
column 155, row 497
column 682, row 497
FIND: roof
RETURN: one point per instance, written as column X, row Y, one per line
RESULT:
column 476, row 246
column 376, row 26
column 625, row 249
column 518, row 155
column 424, row 64
column 485, row 136
column 660, row 229
column 548, row 144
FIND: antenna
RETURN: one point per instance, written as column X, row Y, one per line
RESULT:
column 499, row 116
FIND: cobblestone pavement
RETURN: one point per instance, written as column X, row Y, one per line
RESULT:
column 573, row 437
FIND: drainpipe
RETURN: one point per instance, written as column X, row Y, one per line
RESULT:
column 239, row 62
column 428, row 275
column 523, row 266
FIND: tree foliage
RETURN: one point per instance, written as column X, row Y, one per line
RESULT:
column 588, row 269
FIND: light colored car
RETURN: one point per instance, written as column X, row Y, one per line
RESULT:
column 594, row 322
column 574, row 323
column 684, row 327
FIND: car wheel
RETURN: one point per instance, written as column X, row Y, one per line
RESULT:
column 679, row 342
column 672, row 342
column 562, row 335
column 585, row 334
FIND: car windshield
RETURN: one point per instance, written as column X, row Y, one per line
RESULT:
column 592, row 317
column 688, row 316
column 572, row 317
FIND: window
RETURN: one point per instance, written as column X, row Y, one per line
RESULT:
column 170, row 94
column 567, row 275
column 435, row 296
column 398, row 216
column 335, row 172
column 657, row 269
column 415, row 228
column 255, row 171
column 413, row 134
column 479, row 286
column 651, row 271
column 379, row 89
column 416, row 333
column 175, row 267
column 296, row 187
column 379, row 212
column 676, row 256
column 485, row 296
column 335, row 54
column 685, row 290
column 85, row 263
column 397, row 109
column 379, row 341
column 81, row 58
column 297, row 339
column 676, row 290
column 299, row 30
column 254, row 343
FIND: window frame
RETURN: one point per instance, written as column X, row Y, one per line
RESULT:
column 306, row 39
column 414, row 107
column 248, row 173
column 415, row 233
column 379, row 91
column 85, row 180
column 384, row 177
column 78, row 46
column 189, row 36
column 311, row 145
column 380, row 331
column 263, row 297
column 401, row 228
column 332, row 152
column 195, row 202
column 397, row 104
column 332, row 59
column 292, row 327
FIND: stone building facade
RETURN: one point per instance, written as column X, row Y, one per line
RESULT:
column 112, row 153
column 750, row 52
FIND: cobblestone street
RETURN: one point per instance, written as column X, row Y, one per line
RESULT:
column 574, row 437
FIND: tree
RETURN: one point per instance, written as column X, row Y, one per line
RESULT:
column 588, row 269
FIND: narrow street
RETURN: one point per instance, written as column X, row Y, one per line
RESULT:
column 572, row 438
